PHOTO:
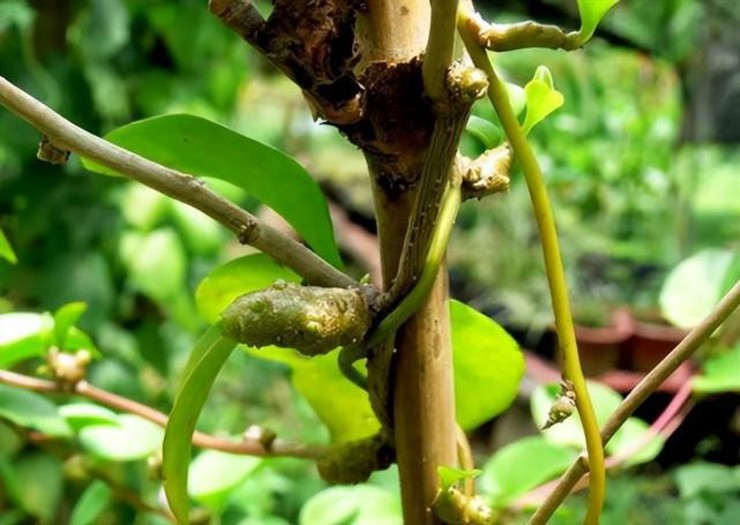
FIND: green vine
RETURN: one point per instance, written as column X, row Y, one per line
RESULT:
column 553, row 262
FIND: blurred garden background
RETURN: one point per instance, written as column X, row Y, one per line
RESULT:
column 643, row 165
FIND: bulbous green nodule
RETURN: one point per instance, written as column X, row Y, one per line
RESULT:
column 309, row 319
column 353, row 462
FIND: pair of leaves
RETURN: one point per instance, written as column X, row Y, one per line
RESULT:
column 204, row 149
column 539, row 97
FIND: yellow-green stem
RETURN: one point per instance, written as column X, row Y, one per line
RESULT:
column 553, row 266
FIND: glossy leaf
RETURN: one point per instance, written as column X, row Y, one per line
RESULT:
column 358, row 505
column 449, row 476
column 521, row 466
column 720, row 373
column 22, row 336
column 81, row 415
column 342, row 407
column 634, row 442
column 31, row 410
column 695, row 286
column 488, row 366
column 6, row 250
column 592, row 11
column 131, row 438
column 205, row 149
column 488, row 133
column 542, row 98
column 246, row 274
column 64, row 319
column 208, row 357
column 214, row 475
column 92, row 503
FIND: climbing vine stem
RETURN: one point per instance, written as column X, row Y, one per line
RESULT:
column 553, row 262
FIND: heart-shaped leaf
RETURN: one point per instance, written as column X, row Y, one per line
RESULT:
column 204, row 149
column 488, row 366
column 695, row 286
column 522, row 466
column 720, row 373
column 542, row 98
column 592, row 11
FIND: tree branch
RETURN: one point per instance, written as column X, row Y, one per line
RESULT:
column 248, row 446
column 639, row 394
column 185, row 188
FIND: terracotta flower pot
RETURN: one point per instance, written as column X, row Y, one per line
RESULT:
column 601, row 348
column 650, row 343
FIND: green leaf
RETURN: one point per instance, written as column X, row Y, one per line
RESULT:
column 358, row 505
column 630, row 442
column 592, row 11
column 706, row 478
column 202, row 235
column 157, row 263
column 488, row 133
column 542, row 98
column 521, row 466
column 246, row 274
column 720, row 373
column 31, row 410
column 38, row 484
column 129, row 439
column 92, row 503
column 342, row 407
column 449, row 476
column 65, row 318
column 6, row 250
column 205, row 149
column 81, row 415
column 214, row 475
column 570, row 432
column 22, row 335
column 695, row 285
column 208, row 357
column 488, row 366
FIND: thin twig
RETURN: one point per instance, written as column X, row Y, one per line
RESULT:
column 183, row 187
column 639, row 394
column 247, row 447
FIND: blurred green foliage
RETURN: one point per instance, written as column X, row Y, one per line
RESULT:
column 625, row 187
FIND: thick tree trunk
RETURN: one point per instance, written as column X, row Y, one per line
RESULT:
column 395, row 32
